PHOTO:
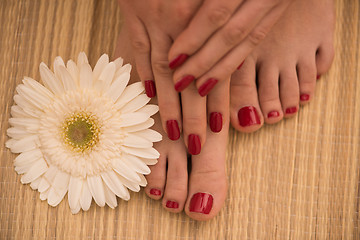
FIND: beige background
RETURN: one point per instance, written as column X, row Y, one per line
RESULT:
column 296, row 180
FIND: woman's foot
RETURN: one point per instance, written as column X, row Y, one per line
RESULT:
column 201, row 192
column 281, row 72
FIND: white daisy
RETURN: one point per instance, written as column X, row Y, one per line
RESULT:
column 85, row 133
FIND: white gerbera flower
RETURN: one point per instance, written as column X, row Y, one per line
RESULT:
column 85, row 133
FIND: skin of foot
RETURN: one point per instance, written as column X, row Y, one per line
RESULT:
column 200, row 193
column 281, row 73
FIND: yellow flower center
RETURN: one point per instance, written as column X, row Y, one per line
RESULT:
column 81, row 131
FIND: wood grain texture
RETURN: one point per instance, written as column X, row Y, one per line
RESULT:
column 295, row 180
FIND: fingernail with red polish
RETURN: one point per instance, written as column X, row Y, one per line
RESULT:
column 150, row 88
column 318, row 76
column 291, row 110
column 201, row 203
column 304, row 97
column 273, row 114
column 240, row 65
column 172, row 204
column 183, row 83
column 207, row 86
column 216, row 122
column 172, row 129
column 194, row 144
column 248, row 116
column 155, row 192
column 176, row 62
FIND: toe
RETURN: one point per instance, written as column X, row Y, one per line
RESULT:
column 245, row 111
column 177, row 178
column 324, row 58
column 289, row 91
column 306, row 69
column 156, row 179
column 268, row 79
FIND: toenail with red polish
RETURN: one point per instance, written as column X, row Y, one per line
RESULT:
column 240, row 65
column 155, row 192
column 201, row 203
column 318, row 76
column 176, row 62
column 273, row 114
column 150, row 88
column 172, row 204
column 248, row 116
column 207, row 86
column 216, row 122
column 304, row 97
column 194, row 144
column 183, row 83
column 291, row 110
column 172, row 129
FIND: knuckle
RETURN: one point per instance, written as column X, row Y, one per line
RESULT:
column 141, row 46
column 234, row 34
column 161, row 67
column 257, row 36
column 193, row 121
column 184, row 11
column 218, row 16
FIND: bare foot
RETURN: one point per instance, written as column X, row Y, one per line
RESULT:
column 202, row 192
column 282, row 71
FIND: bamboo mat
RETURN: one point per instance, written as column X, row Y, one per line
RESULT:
column 295, row 180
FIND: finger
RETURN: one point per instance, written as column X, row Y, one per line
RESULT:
column 194, row 119
column 141, row 47
column 168, row 98
column 233, row 59
column 212, row 15
column 218, row 106
column 251, row 24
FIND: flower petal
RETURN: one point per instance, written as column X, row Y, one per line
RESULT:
column 142, row 152
column 28, row 157
column 115, row 185
column 17, row 112
column 143, row 182
column 30, row 124
column 35, row 85
column 50, row 80
column 150, row 109
column 35, row 171
column 35, row 98
column 97, row 189
column 25, row 144
column 74, row 71
column 130, row 119
column 129, row 184
column 149, row 161
column 126, row 68
column 105, row 79
column 132, row 140
column 17, row 133
column 118, row 63
column 118, row 86
column 110, row 197
column 44, row 195
column 59, row 188
column 86, row 76
column 82, row 58
column 75, row 186
column 85, row 198
column 124, row 170
column 68, row 82
column 149, row 134
column 141, row 126
column 48, row 179
column 76, row 209
column 130, row 92
column 137, row 103
column 136, row 164
column 100, row 65
column 35, row 184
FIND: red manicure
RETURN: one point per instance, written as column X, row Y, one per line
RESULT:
column 216, row 122
column 183, row 83
column 273, row 114
column 172, row 129
column 207, row 86
column 304, row 97
column 201, row 203
column 176, row 62
column 150, row 88
column 155, row 192
column 171, row 204
column 291, row 110
column 194, row 144
column 248, row 116
column 240, row 65
column 318, row 76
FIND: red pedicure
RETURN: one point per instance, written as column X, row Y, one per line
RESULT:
column 273, row 114
column 304, row 97
column 176, row 62
column 240, row 65
column 155, row 192
column 150, row 88
column 207, row 86
column 172, row 204
column 184, row 82
column 172, row 129
column 291, row 110
column 248, row 116
column 201, row 203
column 318, row 76
column 216, row 122
column 194, row 144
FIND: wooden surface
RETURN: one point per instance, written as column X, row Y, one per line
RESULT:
column 296, row 180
